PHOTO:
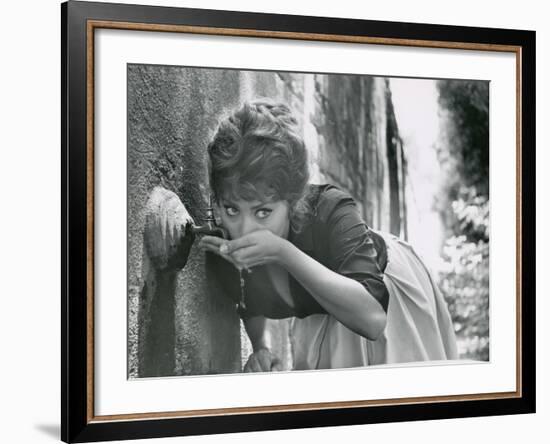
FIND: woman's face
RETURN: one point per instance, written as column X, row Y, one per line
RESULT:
column 241, row 217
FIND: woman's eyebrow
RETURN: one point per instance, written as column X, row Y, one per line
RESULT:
column 262, row 204
column 255, row 207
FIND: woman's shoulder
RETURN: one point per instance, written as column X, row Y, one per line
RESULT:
column 328, row 197
column 343, row 237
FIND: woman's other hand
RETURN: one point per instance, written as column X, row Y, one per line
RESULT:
column 263, row 361
column 257, row 248
column 214, row 245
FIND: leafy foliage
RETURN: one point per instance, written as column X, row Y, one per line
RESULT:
column 464, row 207
column 467, row 109
column 465, row 279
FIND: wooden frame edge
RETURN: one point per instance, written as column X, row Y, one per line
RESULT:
column 235, row 32
column 95, row 24
column 90, row 128
column 284, row 408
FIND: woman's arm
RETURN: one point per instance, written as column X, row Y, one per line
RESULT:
column 346, row 299
column 261, row 360
column 255, row 329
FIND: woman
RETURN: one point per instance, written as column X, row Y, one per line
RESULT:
column 358, row 296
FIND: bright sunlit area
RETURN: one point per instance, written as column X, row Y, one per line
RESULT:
column 444, row 128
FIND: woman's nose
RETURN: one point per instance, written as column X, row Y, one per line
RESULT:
column 248, row 226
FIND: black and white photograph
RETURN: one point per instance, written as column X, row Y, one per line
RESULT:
column 297, row 221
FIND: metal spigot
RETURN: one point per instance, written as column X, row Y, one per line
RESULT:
column 209, row 228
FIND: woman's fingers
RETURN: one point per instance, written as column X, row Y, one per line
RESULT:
column 210, row 247
column 252, row 365
column 214, row 244
column 216, row 250
column 250, row 265
column 247, row 254
column 262, row 361
column 264, row 358
column 242, row 242
column 276, row 365
column 254, row 260
column 212, row 240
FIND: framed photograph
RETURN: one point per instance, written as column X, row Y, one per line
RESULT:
column 275, row 221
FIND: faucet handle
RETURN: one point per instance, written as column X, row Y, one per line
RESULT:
column 210, row 227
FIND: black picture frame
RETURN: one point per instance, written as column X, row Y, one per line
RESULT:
column 78, row 423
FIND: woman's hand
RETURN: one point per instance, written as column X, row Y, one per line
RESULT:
column 256, row 248
column 263, row 361
column 214, row 245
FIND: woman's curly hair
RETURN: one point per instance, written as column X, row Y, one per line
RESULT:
column 258, row 153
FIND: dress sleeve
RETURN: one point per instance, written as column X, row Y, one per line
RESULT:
column 353, row 252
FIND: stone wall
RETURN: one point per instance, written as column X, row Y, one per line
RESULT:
column 179, row 322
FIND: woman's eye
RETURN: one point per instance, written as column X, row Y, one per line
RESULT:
column 263, row 213
column 231, row 211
